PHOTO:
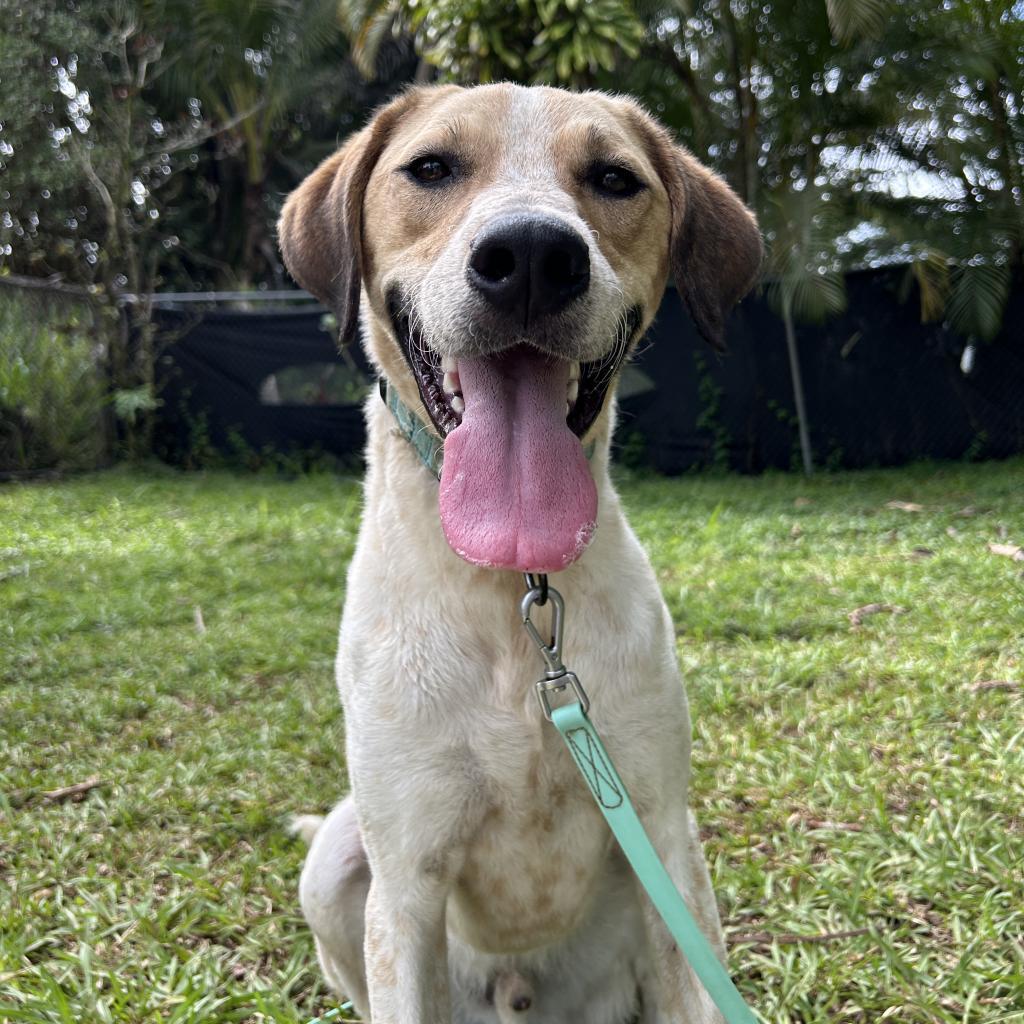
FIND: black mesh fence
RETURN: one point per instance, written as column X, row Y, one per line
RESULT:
column 247, row 385
column 881, row 387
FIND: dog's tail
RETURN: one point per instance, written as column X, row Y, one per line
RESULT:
column 305, row 826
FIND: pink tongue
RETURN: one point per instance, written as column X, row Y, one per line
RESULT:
column 516, row 490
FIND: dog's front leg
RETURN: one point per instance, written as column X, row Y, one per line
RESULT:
column 406, row 950
column 681, row 998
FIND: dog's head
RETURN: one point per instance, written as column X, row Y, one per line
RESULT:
column 511, row 245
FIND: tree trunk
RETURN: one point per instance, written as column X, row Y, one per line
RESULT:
column 745, row 116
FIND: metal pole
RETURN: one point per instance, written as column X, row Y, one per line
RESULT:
column 798, row 384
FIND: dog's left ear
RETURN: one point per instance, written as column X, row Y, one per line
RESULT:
column 321, row 225
column 715, row 249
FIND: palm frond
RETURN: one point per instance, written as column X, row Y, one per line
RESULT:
column 932, row 274
column 851, row 20
column 978, row 299
column 367, row 42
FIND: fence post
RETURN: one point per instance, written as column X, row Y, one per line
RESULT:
column 798, row 384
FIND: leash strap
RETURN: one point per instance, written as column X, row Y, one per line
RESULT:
column 607, row 787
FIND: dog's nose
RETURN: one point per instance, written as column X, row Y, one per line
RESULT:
column 529, row 266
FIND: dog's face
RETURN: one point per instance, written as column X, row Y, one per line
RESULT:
column 512, row 245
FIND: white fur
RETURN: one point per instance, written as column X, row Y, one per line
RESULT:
column 471, row 852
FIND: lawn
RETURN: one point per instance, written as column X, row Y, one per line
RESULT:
column 859, row 777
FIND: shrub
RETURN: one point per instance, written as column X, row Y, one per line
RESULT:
column 51, row 384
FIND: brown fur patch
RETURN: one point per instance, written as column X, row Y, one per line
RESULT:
column 715, row 248
column 321, row 228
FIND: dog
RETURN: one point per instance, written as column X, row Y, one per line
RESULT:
column 502, row 249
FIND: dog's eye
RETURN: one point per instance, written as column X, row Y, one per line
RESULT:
column 429, row 169
column 614, row 181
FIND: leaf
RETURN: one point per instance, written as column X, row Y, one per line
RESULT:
column 563, row 63
column 129, row 402
column 852, row 20
column 904, row 506
column 932, row 274
column 979, row 296
column 803, row 228
column 510, row 59
column 1014, row 551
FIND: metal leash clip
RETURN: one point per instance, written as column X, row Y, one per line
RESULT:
column 557, row 677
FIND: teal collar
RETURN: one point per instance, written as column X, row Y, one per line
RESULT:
column 424, row 442
column 426, row 445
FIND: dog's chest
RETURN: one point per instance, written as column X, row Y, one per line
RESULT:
column 531, row 863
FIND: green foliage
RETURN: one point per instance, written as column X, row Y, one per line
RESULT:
column 51, row 386
column 948, row 80
column 844, row 778
column 631, row 451
column 259, row 78
column 805, row 276
column 931, row 270
column 149, row 142
column 129, row 403
column 566, row 42
column 853, row 20
column 978, row 297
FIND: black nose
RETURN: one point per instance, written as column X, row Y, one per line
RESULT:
column 529, row 266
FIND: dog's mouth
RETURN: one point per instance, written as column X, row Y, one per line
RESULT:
column 440, row 384
column 516, row 488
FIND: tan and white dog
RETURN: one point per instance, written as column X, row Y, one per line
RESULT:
column 504, row 248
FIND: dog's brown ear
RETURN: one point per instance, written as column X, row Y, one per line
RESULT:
column 320, row 229
column 715, row 249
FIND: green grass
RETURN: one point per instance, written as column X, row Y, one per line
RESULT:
column 846, row 778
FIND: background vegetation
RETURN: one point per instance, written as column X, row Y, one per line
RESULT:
column 52, row 397
column 166, row 645
column 147, row 144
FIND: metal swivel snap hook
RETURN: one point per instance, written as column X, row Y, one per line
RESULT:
column 551, row 651
column 556, row 676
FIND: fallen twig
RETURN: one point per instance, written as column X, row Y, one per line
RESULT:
column 790, row 939
column 837, row 826
column 905, row 506
column 1014, row 551
column 75, row 792
column 995, row 684
column 858, row 615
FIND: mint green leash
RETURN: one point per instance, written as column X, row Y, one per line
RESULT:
column 609, row 791
column 333, row 1014
column 597, row 768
